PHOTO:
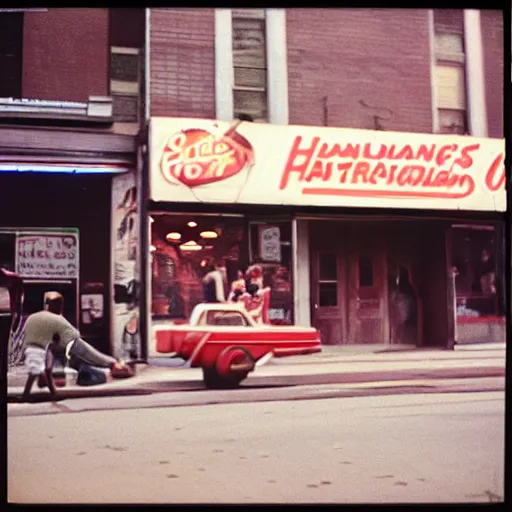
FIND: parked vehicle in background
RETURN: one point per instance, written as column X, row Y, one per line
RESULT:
column 225, row 341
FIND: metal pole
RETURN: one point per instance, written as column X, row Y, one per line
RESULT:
column 454, row 287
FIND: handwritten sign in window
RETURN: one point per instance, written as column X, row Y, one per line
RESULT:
column 47, row 256
column 270, row 243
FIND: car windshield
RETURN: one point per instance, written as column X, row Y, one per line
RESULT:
column 233, row 318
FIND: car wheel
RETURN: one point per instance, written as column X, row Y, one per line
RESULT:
column 214, row 380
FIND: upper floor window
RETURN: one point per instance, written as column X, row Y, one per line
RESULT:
column 11, row 54
column 126, row 31
column 250, row 64
column 449, row 71
column 125, row 83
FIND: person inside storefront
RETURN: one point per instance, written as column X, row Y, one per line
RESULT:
column 237, row 287
column 213, row 283
column 281, row 280
column 486, row 274
column 48, row 330
column 253, row 301
column 403, row 308
column 254, row 275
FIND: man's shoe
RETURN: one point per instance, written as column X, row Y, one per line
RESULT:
column 42, row 381
column 120, row 370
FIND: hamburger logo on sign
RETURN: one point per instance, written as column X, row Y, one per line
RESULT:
column 198, row 157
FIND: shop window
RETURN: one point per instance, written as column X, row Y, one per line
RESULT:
column 478, row 275
column 271, row 248
column 184, row 249
column 365, row 272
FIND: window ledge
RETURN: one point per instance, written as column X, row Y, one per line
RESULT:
column 249, row 89
column 458, row 58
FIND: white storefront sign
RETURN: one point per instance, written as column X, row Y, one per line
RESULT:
column 194, row 160
column 47, row 256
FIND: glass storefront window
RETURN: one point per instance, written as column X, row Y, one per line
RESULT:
column 184, row 249
column 478, row 279
column 271, row 248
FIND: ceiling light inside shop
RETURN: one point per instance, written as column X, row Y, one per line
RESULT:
column 173, row 236
column 191, row 246
column 152, row 248
column 192, row 224
column 209, row 234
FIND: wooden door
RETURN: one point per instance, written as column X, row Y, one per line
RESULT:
column 327, row 296
column 367, row 296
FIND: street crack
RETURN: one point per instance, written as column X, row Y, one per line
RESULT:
column 115, row 448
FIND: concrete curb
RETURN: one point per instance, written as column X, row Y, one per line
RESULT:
column 132, row 387
column 335, row 368
column 201, row 398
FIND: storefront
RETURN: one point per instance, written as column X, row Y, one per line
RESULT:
column 60, row 191
column 372, row 237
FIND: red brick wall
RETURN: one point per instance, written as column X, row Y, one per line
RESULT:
column 182, row 70
column 492, row 38
column 65, row 54
column 380, row 56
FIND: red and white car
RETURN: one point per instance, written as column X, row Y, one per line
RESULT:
column 225, row 341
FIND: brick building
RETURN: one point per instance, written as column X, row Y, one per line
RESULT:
column 382, row 74
column 357, row 68
column 71, row 100
column 352, row 74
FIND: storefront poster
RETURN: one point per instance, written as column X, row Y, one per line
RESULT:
column 194, row 160
column 125, row 261
column 47, row 255
column 270, row 243
column 92, row 307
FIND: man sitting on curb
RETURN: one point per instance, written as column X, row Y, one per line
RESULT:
column 48, row 330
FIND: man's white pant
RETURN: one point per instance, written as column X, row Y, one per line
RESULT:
column 37, row 359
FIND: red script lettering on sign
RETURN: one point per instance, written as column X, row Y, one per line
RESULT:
column 197, row 157
column 381, row 170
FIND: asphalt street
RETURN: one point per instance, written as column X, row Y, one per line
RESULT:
column 422, row 448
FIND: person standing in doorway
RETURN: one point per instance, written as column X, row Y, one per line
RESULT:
column 403, row 309
column 486, row 273
column 213, row 283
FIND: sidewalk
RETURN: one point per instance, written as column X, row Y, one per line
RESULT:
column 335, row 364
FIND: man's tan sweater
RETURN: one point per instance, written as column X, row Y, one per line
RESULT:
column 41, row 327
